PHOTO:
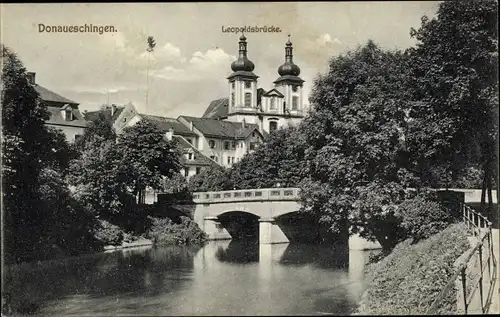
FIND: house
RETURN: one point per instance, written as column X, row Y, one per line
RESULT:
column 64, row 113
column 110, row 112
column 225, row 142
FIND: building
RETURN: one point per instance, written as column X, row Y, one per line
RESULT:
column 110, row 112
column 280, row 106
column 233, row 126
column 64, row 113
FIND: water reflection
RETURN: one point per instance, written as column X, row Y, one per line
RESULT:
column 222, row 278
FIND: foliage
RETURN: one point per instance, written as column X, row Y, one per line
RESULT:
column 99, row 179
column 108, row 234
column 28, row 147
column 164, row 231
column 356, row 155
column 175, row 184
column 100, row 127
column 455, row 90
column 421, row 217
column 409, row 279
column 213, row 178
column 266, row 167
column 147, row 157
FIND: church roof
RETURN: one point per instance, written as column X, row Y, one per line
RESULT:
column 165, row 123
column 217, row 109
column 48, row 95
column 222, row 129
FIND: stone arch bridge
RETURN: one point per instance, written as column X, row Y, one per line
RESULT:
column 269, row 215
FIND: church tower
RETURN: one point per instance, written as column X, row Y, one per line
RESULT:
column 290, row 84
column 242, row 87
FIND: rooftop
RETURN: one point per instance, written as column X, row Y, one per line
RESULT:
column 165, row 123
column 48, row 95
column 221, row 129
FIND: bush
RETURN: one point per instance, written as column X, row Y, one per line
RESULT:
column 409, row 279
column 164, row 231
column 422, row 217
column 108, row 233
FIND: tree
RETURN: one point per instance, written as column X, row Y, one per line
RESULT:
column 266, row 167
column 28, row 149
column 212, row 178
column 356, row 155
column 98, row 127
column 455, row 89
column 151, row 46
column 147, row 157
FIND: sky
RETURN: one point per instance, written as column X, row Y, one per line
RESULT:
column 193, row 55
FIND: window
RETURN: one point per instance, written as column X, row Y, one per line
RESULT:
column 211, row 144
column 252, row 145
column 232, row 159
column 273, row 126
column 186, row 172
column 295, row 102
column 233, row 145
column 228, row 160
column 226, row 145
column 190, row 141
column 198, row 170
column 248, row 84
column 295, row 88
column 190, row 156
column 248, row 99
column 253, row 134
column 232, row 99
column 273, row 103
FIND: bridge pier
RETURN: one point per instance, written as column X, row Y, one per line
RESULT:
column 270, row 232
column 214, row 229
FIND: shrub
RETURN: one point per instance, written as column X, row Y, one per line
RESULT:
column 422, row 217
column 108, row 233
column 164, row 231
column 409, row 279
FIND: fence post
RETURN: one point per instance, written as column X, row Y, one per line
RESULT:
column 481, row 276
column 468, row 218
column 490, row 249
column 462, row 296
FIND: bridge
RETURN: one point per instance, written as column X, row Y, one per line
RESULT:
column 269, row 215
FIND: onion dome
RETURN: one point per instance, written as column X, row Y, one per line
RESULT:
column 242, row 63
column 289, row 68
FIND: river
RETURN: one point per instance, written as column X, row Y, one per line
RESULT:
column 221, row 278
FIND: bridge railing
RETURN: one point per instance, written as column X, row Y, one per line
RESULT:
column 265, row 194
column 470, row 273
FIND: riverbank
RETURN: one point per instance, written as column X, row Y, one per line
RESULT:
column 409, row 279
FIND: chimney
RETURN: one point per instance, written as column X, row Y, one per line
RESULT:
column 113, row 109
column 170, row 133
column 31, row 77
column 243, row 124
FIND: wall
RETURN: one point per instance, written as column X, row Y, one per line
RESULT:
column 70, row 132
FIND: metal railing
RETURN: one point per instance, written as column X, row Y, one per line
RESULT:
column 475, row 260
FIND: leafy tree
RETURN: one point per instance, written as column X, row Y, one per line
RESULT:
column 29, row 150
column 99, row 180
column 356, row 156
column 455, row 89
column 266, row 167
column 147, row 157
column 98, row 127
column 213, row 178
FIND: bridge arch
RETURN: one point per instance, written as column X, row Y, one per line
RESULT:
column 241, row 225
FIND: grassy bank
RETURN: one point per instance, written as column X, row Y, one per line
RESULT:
column 409, row 279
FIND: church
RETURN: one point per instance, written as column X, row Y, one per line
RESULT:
column 280, row 106
column 232, row 126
